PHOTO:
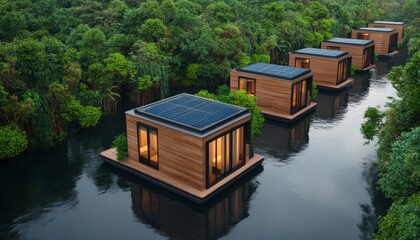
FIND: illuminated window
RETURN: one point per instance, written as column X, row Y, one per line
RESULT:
column 301, row 95
column 343, row 73
column 363, row 36
column 302, row 63
column 226, row 153
column 247, row 84
column 148, row 145
column 333, row 48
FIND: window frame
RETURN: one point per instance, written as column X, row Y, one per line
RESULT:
column 308, row 94
column 141, row 159
column 333, row 48
column 247, row 90
column 246, row 140
column 302, row 62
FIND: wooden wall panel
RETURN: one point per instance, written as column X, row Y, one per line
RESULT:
column 399, row 28
column 273, row 94
column 324, row 69
column 181, row 155
column 356, row 51
column 381, row 39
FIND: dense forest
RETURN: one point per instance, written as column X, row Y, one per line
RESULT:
column 70, row 62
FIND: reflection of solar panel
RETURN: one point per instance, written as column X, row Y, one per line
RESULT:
column 388, row 22
column 373, row 29
column 321, row 52
column 273, row 70
column 351, row 41
column 191, row 111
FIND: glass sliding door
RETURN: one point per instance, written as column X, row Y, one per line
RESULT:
column 368, row 56
column 301, row 95
column 225, row 154
column 148, row 145
column 343, row 71
column 393, row 39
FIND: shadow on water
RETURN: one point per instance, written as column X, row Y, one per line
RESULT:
column 281, row 140
column 177, row 218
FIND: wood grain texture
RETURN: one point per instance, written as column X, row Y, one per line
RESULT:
column 274, row 95
column 398, row 27
column 324, row 69
column 381, row 40
column 356, row 52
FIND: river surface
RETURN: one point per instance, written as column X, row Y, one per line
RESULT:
column 315, row 183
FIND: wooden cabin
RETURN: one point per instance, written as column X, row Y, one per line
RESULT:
column 282, row 92
column 399, row 26
column 193, row 146
column 385, row 39
column 362, row 51
column 331, row 68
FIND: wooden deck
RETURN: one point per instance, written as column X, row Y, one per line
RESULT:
column 336, row 87
column 179, row 187
column 366, row 68
column 288, row 117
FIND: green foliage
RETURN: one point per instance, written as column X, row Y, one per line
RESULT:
column 353, row 69
column 144, row 83
column 314, row 93
column 239, row 98
column 88, row 116
column 373, row 123
column 120, row 143
column 400, row 175
column 402, row 220
column 13, row 141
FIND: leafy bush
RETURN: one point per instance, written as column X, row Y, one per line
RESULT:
column 13, row 141
column 120, row 143
column 402, row 220
column 353, row 69
column 88, row 116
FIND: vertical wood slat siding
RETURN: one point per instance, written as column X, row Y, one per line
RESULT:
column 324, row 69
column 356, row 51
column 381, row 39
column 399, row 28
column 181, row 155
column 273, row 94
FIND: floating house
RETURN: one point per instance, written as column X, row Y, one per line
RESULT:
column 399, row 26
column 385, row 39
column 331, row 68
column 193, row 146
column 282, row 92
column 362, row 51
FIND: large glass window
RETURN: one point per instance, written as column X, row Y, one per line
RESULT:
column 365, row 36
column 393, row 39
column 368, row 56
column 302, row 63
column 247, row 84
column 301, row 95
column 148, row 145
column 343, row 73
column 225, row 154
column 333, row 48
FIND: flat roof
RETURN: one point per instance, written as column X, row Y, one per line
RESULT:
column 350, row 41
column 376, row 29
column 321, row 52
column 191, row 112
column 274, row 70
column 389, row 22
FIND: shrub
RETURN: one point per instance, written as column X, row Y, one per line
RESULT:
column 120, row 143
column 13, row 141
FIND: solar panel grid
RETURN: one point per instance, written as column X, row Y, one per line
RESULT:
column 377, row 29
column 350, row 41
column 280, row 71
column 192, row 111
column 321, row 52
column 389, row 22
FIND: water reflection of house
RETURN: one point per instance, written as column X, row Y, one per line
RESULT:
column 360, row 87
column 185, row 220
column 331, row 104
column 281, row 140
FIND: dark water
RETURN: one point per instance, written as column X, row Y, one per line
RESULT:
column 315, row 183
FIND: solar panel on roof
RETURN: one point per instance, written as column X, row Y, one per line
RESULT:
column 389, row 22
column 321, row 52
column 191, row 111
column 377, row 29
column 351, row 41
column 273, row 70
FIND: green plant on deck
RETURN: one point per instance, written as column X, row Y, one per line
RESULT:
column 13, row 141
column 120, row 143
column 314, row 90
column 376, row 57
column 353, row 69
